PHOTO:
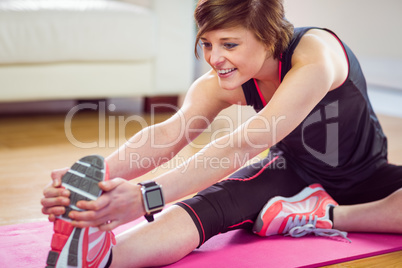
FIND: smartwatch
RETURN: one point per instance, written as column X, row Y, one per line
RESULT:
column 153, row 199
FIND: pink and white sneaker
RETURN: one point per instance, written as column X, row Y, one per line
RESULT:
column 299, row 215
column 81, row 247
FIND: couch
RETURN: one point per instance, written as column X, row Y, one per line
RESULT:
column 95, row 49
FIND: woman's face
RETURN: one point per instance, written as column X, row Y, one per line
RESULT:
column 235, row 54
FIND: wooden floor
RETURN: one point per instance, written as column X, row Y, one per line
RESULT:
column 33, row 145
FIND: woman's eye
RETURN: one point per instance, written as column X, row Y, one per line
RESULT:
column 206, row 44
column 230, row 45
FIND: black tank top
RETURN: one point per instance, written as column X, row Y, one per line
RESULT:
column 340, row 143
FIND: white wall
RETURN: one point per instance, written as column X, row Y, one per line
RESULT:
column 371, row 28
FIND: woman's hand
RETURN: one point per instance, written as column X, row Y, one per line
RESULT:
column 121, row 202
column 55, row 196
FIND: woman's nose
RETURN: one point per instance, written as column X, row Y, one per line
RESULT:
column 216, row 58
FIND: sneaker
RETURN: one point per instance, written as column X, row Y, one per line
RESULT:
column 305, row 213
column 81, row 247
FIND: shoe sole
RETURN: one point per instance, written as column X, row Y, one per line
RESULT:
column 82, row 181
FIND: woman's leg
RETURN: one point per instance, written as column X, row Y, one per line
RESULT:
column 384, row 216
column 228, row 205
column 169, row 238
column 235, row 202
column 373, row 205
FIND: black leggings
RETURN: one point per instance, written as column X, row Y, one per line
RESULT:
column 235, row 203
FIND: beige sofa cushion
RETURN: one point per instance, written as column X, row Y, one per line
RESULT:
column 68, row 30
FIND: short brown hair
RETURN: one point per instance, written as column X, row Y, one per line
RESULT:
column 266, row 18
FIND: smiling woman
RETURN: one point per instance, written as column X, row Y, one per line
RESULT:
column 327, row 165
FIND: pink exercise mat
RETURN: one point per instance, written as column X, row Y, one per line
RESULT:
column 27, row 245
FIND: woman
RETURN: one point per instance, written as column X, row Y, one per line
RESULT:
column 313, row 114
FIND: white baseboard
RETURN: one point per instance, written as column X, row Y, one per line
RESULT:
column 113, row 105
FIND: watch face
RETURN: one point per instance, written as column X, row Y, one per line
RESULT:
column 154, row 199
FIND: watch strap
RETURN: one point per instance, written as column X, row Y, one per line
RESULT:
column 149, row 217
column 147, row 183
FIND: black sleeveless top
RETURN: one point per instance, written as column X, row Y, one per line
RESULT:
column 340, row 143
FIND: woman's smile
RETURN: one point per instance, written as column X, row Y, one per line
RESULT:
column 223, row 73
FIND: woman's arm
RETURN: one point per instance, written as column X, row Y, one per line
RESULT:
column 159, row 143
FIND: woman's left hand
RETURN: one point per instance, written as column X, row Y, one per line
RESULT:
column 121, row 202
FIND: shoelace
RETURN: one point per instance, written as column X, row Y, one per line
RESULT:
column 300, row 226
column 299, row 231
